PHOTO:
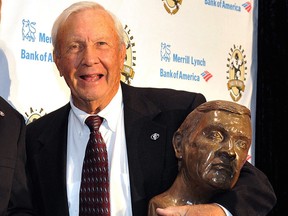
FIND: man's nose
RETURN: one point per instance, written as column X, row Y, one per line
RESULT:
column 90, row 55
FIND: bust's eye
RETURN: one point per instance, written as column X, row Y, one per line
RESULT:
column 215, row 136
column 241, row 144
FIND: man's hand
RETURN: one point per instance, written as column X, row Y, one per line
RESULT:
column 192, row 210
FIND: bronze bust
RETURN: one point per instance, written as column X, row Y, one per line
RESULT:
column 211, row 145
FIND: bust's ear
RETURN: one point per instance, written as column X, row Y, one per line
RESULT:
column 177, row 144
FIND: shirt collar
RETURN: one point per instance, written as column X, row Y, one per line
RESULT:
column 110, row 113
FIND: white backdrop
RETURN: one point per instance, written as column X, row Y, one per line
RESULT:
column 206, row 46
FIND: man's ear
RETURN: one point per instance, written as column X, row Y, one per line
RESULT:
column 177, row 144
column 56, row 61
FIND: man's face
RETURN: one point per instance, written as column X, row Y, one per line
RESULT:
column 218, row 148
column 90, row 57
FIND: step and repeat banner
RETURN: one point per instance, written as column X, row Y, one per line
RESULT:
column 206, row 46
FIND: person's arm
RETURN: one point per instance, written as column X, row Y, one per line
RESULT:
column 192, row 210
column 20, row 202
column 227, row 213
column 252, row 195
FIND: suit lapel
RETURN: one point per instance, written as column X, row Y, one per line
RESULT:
column 145, row 140
column 51, row 162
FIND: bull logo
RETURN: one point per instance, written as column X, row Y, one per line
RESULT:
column 28, row 30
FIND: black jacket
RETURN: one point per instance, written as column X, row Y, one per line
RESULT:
column 152, row 164
column 14, row 193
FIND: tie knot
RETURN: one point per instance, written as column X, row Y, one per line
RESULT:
column 93, row 122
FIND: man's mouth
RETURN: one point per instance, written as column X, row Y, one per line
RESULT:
column 92, row 77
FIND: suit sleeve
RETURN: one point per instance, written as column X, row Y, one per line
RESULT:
column 20, row 202
column 252, row 195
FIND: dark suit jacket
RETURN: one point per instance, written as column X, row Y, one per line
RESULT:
column 14, row 196
column 152, row 163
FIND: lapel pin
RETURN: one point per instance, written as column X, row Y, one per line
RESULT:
column 154, row 136
column 2, row 113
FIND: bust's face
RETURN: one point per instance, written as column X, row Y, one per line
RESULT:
column 218, row 148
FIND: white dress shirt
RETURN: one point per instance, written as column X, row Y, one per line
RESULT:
column 113, row 133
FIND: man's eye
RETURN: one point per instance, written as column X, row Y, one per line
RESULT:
column 101, row 43
column 74, row 48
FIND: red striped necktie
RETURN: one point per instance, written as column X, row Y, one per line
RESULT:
column 94, row 190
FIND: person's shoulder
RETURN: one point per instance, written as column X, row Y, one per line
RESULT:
column 8, row 110
column 49, row 119
column 165, row 93
column 5, row 105
column 164, row 98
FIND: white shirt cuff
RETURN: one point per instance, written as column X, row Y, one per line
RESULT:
column 225, row 210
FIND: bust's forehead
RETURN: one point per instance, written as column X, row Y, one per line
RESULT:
column 220, row 118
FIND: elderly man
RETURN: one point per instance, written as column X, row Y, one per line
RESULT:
column 137, row 128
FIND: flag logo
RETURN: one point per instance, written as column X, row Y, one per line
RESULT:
column 247, row 6
column 206, row 75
